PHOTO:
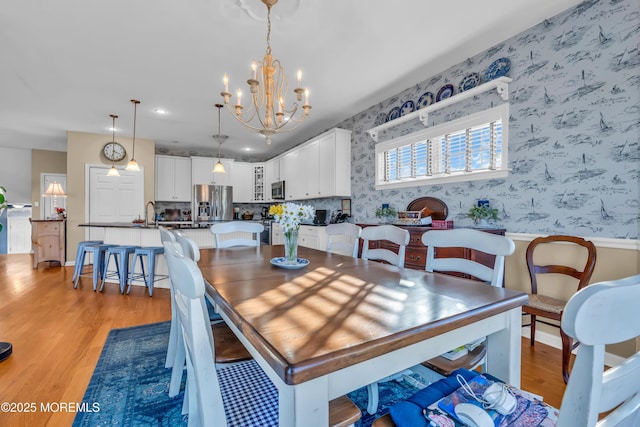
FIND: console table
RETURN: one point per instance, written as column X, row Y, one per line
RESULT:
column 48, row 240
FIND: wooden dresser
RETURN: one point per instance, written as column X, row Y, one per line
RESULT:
column 48, row 239
column 416, row 252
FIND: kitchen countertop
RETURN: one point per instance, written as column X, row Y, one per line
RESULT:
column 169, row 224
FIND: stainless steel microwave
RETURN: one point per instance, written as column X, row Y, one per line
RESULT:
column 277, row 190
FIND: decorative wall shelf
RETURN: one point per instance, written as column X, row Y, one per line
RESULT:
column 501, row 85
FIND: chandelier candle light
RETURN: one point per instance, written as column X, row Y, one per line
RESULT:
column 290, row 216
column 272, row 91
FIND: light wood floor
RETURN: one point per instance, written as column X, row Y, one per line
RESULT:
column 58, row 332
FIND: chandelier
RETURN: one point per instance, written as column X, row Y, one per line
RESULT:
column 268, row 86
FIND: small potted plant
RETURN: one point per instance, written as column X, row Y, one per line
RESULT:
column 483, row 215
column 386, row 213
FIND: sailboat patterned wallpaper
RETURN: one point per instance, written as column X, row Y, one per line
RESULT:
column 574, row 142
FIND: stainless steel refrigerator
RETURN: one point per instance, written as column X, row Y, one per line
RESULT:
column 212, row 203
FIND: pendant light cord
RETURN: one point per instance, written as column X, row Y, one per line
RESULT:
column 135, row 109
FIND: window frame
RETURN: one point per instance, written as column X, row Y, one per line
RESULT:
column 500, row 113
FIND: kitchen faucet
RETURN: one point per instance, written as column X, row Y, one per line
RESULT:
column 146, row 212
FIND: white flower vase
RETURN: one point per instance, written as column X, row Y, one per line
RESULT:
column 291, row 246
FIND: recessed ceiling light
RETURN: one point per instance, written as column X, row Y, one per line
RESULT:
column 112, row 129
column 248, row 149
column 160, row 111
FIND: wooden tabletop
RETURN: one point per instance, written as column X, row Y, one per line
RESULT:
column 339, row 311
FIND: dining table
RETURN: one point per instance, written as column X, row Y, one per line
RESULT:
column 338, row 323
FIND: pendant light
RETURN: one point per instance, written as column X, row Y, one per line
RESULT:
column 113, row 171
column 133, row 165
column 219, row 167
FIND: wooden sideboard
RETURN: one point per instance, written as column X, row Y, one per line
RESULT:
column 48, row 239
column 416, row 252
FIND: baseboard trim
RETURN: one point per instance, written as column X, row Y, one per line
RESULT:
column 601, row 242
column 555, row 342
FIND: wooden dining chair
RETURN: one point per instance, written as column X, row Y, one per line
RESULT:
column 237, row 232
column 467, row 239
column 238, row 394
column 548, row 293
column 229, row 350
column 598, row 315
column 390, row 233
column 343, row 238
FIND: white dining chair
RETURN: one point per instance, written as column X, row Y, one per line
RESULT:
column 167, row 236
column 400, row 237
column 343, row 238
column 391, row 233
column 469, row 239
column 189, row 246
column 238, row 394
column 237, row 231
column 598, row 315
column 230, row 349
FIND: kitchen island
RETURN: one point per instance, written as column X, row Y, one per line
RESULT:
column 124, row 233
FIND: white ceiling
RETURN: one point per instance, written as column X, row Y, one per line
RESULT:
column 68, row 64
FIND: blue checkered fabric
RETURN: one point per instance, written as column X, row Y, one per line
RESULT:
column 250, row 398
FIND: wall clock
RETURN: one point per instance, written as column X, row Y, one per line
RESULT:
column 114, row 151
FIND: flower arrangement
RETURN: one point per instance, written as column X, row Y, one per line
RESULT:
column 291, row 215
column 62, row 212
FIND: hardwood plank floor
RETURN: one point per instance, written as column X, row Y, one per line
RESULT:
column 58, row 332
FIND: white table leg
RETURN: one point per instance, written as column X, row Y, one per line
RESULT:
column 504, row 351
column 304, row 404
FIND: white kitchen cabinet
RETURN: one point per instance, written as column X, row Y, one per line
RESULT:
column 309, row 171
column 318, row 168
column 242, row 182
column 202, row 171
column 290, row 174
column 259, row 187
column 277, row 235
column 309, row 236
column 173, row 179
column 271, row 175
column 335, row 163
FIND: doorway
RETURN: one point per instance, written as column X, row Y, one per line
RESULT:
column 110, row 199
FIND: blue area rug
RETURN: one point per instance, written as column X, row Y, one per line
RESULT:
column 130, row 384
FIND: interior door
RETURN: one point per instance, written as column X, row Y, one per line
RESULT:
column 113, row 199
column 48, row 204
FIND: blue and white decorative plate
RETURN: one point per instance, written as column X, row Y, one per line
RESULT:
column 445, row 92
column 498, row 68
column 282, row 263
column 393, row 114
column 425, row 100
column 469, row 82
column 407, row 108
